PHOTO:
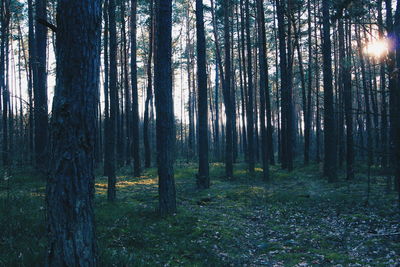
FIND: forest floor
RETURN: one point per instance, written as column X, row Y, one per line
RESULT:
column 297, row 219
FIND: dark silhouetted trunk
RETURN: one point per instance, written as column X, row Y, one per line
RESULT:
column 250, row 99
column 70, row 188
column 164, row 107
column 203, row 179
column 149, row 94
column 135, row 96
column 329, row 116
column 40, row 88
column 263, row 87
column 227, row 93
column 111, row 192
column 345, row 73
column 308, row 115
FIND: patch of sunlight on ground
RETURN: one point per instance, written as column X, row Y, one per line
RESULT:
column 149, row 181
column 127, row 183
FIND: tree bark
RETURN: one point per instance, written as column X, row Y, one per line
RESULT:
column 250, row 100
column 40, row 88
column 70, row 188
column 149, row 93
column 135, row 96
column 111, row 190
column 164, row 107
column 263, row 87
column 203, row 179
column 329, row 119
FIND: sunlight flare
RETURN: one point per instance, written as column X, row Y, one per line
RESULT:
column 377, row 48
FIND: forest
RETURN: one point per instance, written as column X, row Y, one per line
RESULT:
column 200, row 133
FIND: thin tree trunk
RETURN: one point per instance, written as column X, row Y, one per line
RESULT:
column 329, row 119
column 135, row 96
column 263, row 86
column 111, row 190
column 149, row 93
column 203, row 179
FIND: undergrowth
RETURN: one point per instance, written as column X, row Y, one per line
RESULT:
column 296, row 219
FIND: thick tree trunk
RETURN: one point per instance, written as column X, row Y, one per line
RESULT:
column 165, row 128
column 70, row 188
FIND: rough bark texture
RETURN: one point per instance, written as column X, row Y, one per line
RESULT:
column 203, row 179
column 164, row 107
column 70, row 188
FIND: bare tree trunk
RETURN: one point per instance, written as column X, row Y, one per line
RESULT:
column 263, row 86
column 164, row 107
column 203, row 179
column 329, row 117
column 135, row 96
column 111, row 192
column 149, row 93
column 40, row 88
column 70, row 188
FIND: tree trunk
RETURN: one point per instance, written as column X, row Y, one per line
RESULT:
column 40, row 88
column 135, row 96
column 227, row 93
column 203, row 179
column 263, row 86
column 329, row 119
column 250, row 100
column 70, row 188
column 164, row 107
column 149, row 94
column 111, row 192
column 345, row 73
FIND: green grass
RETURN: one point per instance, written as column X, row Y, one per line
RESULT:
column 296, row 218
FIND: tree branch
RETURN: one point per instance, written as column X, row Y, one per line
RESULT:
column 47, row 24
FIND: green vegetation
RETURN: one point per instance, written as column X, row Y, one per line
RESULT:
column 297, row 219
